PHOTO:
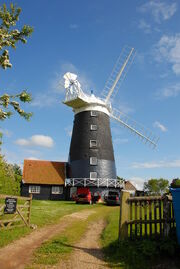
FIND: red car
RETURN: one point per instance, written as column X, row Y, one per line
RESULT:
column 83, row 196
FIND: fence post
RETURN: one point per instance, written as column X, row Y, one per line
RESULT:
column 124, row 215
column 166, row 216
column 29, row 212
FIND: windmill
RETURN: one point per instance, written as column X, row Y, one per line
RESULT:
column 91, row 156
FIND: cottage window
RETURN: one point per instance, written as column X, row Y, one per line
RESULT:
column 93, row 175
column 93, row 160
column 93, row 127
column 57, row 189
column 34, row 189
column 93, row 143
column 93, row 113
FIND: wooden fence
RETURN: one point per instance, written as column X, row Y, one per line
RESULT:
column 22, row 213
column 145, row 216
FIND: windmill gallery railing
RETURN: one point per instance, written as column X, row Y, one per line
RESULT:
column 95, row 182
column 145, row 216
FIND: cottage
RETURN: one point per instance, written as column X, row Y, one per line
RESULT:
column 44, row 179
column 128, row 186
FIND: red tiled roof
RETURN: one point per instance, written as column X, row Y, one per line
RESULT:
column 44, row 172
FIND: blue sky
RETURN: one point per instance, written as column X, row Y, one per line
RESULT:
column 86, row 37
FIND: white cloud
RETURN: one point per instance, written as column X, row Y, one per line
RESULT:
column 143, row 25
column 73, row 26
column 168, row 50
column 140, row 58
column 122, row 107
column 138, row 182
column 160, row 164
column 125, row 108
column 46, row 99
column 160, row 10
column 32, row 158
column 68, row 130
column 32, row 151
column 169, row 91
column 36, row 140
column 164, row 75
column 160, row 126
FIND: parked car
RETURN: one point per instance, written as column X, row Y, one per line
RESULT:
column 83, row 196
column 112, row 197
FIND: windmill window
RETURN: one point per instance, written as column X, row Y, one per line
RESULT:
column 93, row 175
column 93, row 113
column 34, row 189
column 93, row 127
column 93, row 143
column 57, row 189
column 93, row 160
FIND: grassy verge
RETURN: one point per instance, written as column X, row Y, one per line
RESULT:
column 60, row 247
column 43, row 213
column 138, row 254
column 48, row 212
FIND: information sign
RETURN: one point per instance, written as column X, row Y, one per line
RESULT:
column 10, row 205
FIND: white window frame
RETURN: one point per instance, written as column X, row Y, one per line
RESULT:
column 34, row 189
column 93, row 127
column 93, row 113
column 57, row 190
column 93, row 175
column 93, row 160
column 93, row 143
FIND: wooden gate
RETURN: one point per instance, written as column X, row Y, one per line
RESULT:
column 145, row 216
column 22, row 213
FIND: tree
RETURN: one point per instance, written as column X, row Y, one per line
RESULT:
column 120, row 179
column 175, row 183
column 156, row 186
column 9, row 180
column 9, row 37
column 17, row 169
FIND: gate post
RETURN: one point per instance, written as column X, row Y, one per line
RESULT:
column 166, row 216
column 124, row 215
column 29, row 211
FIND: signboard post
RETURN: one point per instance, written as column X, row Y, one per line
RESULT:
column 10, row 205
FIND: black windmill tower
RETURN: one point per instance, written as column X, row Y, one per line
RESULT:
column 91, row 156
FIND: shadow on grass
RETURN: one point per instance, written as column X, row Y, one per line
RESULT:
column 146, row 253
column 91, row 251
column 154, row 253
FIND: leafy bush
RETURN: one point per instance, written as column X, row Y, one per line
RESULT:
column 140, row 254
column 9, row 180
column 175, row 183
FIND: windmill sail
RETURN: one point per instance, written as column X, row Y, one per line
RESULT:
column 118, row 73
column 146, row 135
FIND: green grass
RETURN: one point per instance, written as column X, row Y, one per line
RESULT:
column 61, row 246
column 42, row 213
column 7, row 236
column 137, row 254
column 48, row 212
